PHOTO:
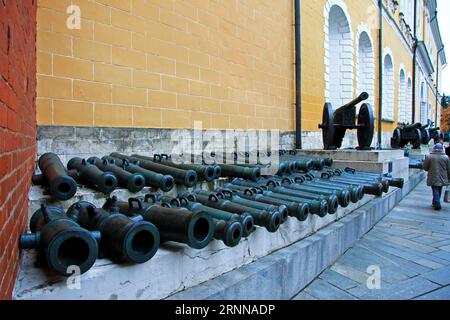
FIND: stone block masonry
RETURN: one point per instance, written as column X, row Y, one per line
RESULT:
column 166, row 64
column 283, row 273
column 17, row 129
column 178, row 267
column 85, row 142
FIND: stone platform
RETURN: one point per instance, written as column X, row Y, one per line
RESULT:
column 284, row 273
column 420, row 153
column 411, row 247
column 175, row 267
column 376, row 161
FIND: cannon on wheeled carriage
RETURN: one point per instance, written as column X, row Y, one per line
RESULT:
column 415, row 134
column 446, row 136
column 433, row 133
column 336, row 122
column 407, row 133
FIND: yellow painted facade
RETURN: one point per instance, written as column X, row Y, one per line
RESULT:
column 168, row 63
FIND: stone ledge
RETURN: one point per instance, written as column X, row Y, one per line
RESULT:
column 284, row 273
column 355, row 155
column 177, row 266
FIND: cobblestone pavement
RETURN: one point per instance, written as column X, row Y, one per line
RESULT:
column 405, row 256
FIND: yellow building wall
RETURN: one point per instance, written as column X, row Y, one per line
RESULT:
column 166, row 64
column 431, row 92
column 313, row 69
column 402, row 58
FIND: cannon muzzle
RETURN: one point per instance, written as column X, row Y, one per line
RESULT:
column 252, row 173
column 152, row 179
column 134, row 182
column 121, row 237
column 396, row 182
column 270, row 220
column 362, row 97
column 188, row 178
column 106, row 182
column 317, row 204
column 196, row 229
column 204, row 173
column 229, row 232
column 294, row 209
column 62, row 186
column 190, row 201
column 63, row 242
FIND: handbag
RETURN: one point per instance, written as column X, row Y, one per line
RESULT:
column 447, row 195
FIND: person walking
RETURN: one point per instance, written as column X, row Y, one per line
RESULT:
column 447, row 151
column 437, row 164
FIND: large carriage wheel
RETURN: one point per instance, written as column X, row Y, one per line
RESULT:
column 327, row 127
column 367, row 122
column 418, row 139
column 426, row 136
column 439, row 137
column 396, row 139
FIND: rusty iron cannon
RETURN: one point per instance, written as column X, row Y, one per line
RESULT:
column 336, row 122
column 408, row 133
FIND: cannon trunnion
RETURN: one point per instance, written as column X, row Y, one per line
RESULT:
column 336, row 122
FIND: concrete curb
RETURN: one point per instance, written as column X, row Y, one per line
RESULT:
column 284, row 273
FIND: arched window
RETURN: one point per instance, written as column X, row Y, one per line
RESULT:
column 365, row 67
column 409, row 105
column 424, row 112
column 402, row 97
column 388, row 88
column 338, row 57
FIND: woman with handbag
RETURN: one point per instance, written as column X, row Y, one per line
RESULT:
column 437, row 164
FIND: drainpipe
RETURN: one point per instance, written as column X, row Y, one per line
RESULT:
column 437, row 74
column 380, row 76
column 414, row 64
column 437, row 84
column 434, row 17
column 298, row 77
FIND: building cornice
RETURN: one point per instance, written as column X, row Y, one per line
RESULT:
column 432, row 9
column 402, row 33
column 424, row 55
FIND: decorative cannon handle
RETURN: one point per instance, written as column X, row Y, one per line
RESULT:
column 362, row 97
column 420, row 126
column 407, row 126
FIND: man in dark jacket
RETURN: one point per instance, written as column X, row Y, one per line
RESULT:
column 447, row 151
column 437, row 164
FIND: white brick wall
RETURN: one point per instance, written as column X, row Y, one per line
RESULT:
column 402, row 102
column 409, row 100
column 424, row 105
column 388, row 85
column 365, row 64
column 338, row 58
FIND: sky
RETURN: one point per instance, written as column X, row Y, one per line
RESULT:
column 444, row 26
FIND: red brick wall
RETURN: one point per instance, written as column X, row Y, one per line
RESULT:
column 17, row 129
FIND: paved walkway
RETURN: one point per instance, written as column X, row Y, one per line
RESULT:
column 410, row 248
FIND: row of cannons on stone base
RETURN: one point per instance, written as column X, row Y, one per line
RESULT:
column 416, row 135
column 335, row 123
column 159, row 172
column 131, row 231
